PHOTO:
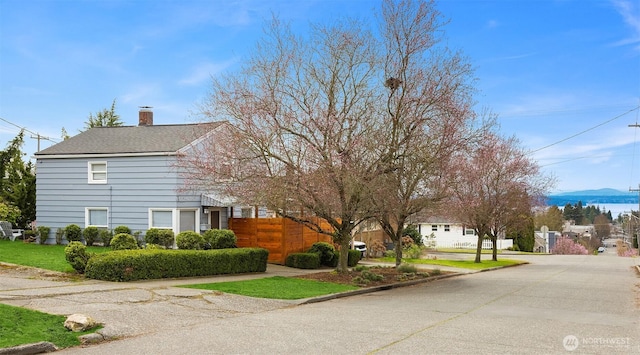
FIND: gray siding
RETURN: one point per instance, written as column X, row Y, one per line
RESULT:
column 134, row 185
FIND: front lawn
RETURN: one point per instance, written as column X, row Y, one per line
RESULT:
column 49, row 257
column 277, row 287
column 24, row 326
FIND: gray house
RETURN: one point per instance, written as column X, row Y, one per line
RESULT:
column 112, row 176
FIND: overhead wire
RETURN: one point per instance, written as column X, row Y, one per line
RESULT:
column 29, row 131
column 585, row 131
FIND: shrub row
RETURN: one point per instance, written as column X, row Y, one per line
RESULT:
column 321, row 254
column 130, row 265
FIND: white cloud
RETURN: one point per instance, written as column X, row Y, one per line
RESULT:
column 203, row 72
column 630, row 12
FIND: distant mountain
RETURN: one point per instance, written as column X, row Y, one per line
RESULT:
column 592, row 197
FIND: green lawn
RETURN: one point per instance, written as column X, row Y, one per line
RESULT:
column 24, row 326
column 50, row 257
column 276, row 287
column 465, row 264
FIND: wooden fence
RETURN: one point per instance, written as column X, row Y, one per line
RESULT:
column 280, row 236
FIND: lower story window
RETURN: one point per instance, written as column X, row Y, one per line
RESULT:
column 161, row 219
column 96, row 216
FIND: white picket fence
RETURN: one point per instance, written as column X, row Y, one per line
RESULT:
column 486, row 244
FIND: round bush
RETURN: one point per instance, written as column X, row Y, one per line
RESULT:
column 123, row 241
column 220, row 238
column 158, row 236
column 105, row 237
column 325, row 251
column 122, row 229
column 189, row 240
column 77, row 255
column 73, row 233
column 91, row 235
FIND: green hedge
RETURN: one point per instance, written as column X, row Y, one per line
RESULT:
column 130, row 265
column 303, row 260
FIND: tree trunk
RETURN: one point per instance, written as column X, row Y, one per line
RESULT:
column 494, row 240
column 398, row 247
column 479, row 247
column 343, row 262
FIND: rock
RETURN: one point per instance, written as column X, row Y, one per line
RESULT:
column 27, row 349
column 79, row 323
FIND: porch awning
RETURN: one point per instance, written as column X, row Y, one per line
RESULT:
column 214, row 200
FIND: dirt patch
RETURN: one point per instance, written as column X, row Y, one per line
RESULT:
column 370, row 277
column 35, row 273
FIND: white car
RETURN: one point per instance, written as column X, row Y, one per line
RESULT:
column 358, row 245
column 601, row 250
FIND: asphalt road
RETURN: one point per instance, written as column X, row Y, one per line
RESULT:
column 555, row 305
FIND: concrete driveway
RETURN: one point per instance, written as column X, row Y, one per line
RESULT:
column 556, row 304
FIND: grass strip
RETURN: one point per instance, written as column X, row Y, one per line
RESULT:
column 276, row 287
column 464, row 264
column 20, row 326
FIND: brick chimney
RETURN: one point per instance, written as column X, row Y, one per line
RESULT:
column 145, row 116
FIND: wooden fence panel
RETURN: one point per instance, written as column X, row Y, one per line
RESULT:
column 280, row 236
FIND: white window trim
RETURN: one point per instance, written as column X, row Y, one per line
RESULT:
column 90, row 172
column 86, row 216
column 173, row 218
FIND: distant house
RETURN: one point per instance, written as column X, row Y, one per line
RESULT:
column 112, row 176
column 443, row 232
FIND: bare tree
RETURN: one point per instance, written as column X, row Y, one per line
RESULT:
column 427, row 110
column 495, row 180
column 301, row 138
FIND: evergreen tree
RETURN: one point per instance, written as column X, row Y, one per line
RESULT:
column 18, row 182
column 104, row 118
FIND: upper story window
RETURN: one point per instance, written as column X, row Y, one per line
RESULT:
column 434, row 227
column 447, row 228
column 97, row 172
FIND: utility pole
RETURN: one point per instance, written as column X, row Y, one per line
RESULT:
column 636, row 190
column 39, row 137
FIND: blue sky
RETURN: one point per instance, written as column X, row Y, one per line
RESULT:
column 561, row 74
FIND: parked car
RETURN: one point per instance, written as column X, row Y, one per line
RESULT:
column 601, row 249
column 358, row 245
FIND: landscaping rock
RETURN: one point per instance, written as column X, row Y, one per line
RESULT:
column 79, row 323
column 28, row 349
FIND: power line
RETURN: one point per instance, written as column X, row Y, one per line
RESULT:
column 585, row 131
column 34, row 135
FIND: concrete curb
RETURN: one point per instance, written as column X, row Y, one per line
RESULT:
column 376, row 289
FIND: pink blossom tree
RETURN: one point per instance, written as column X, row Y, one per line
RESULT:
column 566, row 246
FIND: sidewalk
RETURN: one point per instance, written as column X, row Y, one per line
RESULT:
column 128, row 309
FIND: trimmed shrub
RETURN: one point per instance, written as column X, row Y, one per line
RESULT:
column 123, row 241
column 105, row 237
column 59, row 235
column 73, row 233
column 189, row 240
column 326, row 252
column 43, row 233
column 91, row 235
column 158, row 236
column 354, row 257
column 220, row 238
column 141, row 264
column 122, row 229
column 77, row 255
column 303, row 260
column 414, row 251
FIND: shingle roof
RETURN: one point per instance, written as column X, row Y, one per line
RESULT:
column 130, row 139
